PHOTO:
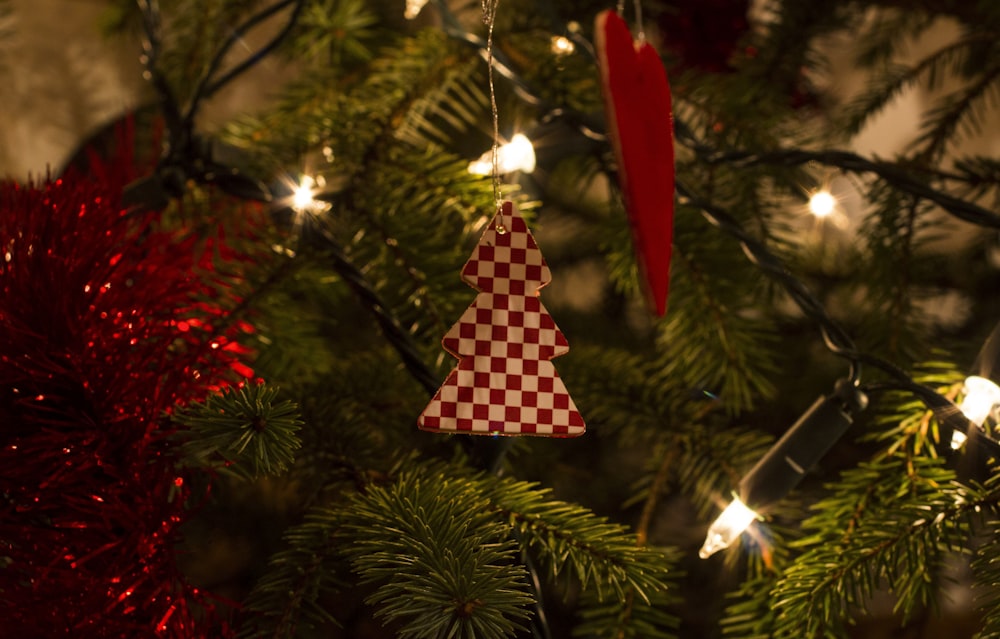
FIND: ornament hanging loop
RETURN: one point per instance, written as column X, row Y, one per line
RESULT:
column 489, row 19
column 640, row 32
column 501, row 227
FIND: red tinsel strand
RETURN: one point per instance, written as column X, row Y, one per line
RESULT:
column 91, row 358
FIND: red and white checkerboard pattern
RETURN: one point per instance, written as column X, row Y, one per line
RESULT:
column 504, row 383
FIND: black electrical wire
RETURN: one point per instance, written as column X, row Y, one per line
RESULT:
column 892, row 173
column 371, row 300
column 836, row 339
column 152, row 45
column 210, row 85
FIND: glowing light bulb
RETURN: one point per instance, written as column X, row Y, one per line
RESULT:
column 981, row 395
column 516, row 155
column 957, row 439
column 822, row 203
column 561, row 45
column 302, row 194
column 736, row 518
column 413, row 8
column 303, row 198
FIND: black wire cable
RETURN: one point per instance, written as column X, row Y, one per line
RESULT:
column 892, row 173
column 186, row 156
column 835, row 337
column 209, row 86
column 152, row 46
column 487, row 451
column 370, row 299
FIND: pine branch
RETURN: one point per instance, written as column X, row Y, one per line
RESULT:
column 978, row 171
column 441, row 564
column 986, row 568
column 714, row 460
column 886, row 524
column 901, row 176
column 962, row 110
column 708, row 339
column 243, row 429
column 896, row 232
column 630, row 617
column 603, row 556
column 751, row 615
column 900, row 546
column 889, row 84
column 448, row 110
column 889, row 32
column 289, row 597
column 339, row 33
column 904, row 425
column 624, row 395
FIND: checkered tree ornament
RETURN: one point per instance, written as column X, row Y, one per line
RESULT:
column 504, row 383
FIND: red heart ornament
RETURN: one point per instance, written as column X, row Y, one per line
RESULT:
column 640, row 125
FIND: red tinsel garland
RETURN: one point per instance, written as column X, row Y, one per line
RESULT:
column 101, row 334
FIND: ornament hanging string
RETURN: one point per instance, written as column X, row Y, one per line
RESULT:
column 640, row 33
column 489, row 18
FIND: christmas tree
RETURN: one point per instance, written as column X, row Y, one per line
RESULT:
column 219, row 326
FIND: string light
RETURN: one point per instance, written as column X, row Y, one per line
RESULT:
column 303, row 197
column 561, row 45
column 785, row 464
column 736, row 518
column 981, row 396
column 822, row 203
column 516, row 155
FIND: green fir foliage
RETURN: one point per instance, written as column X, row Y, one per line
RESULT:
column 386, row 531
column 244, row 429
column 441, row 563
column 288, row 601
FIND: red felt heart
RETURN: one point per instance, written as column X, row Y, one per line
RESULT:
column 640, row 125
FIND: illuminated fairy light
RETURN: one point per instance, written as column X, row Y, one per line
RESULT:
column 516, row 155
column 981, row 396
column 822, row 204
column 784, row 465
column 561, row 45
column 733, row 521
column 413, row 8
column 303, row 198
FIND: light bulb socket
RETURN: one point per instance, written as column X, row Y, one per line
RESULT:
column 782, row 468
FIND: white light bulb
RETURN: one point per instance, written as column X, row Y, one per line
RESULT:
column 516, row 155
column 822, row 203
column 303, row 198
column 413, row 8
column 302, row 194
column 561, row 45
column 736, row 518
column 957, row 439
column 981, row 395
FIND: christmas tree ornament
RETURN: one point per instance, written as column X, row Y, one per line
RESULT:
column 640, row 125
column 504, row 383
column 106, row 329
